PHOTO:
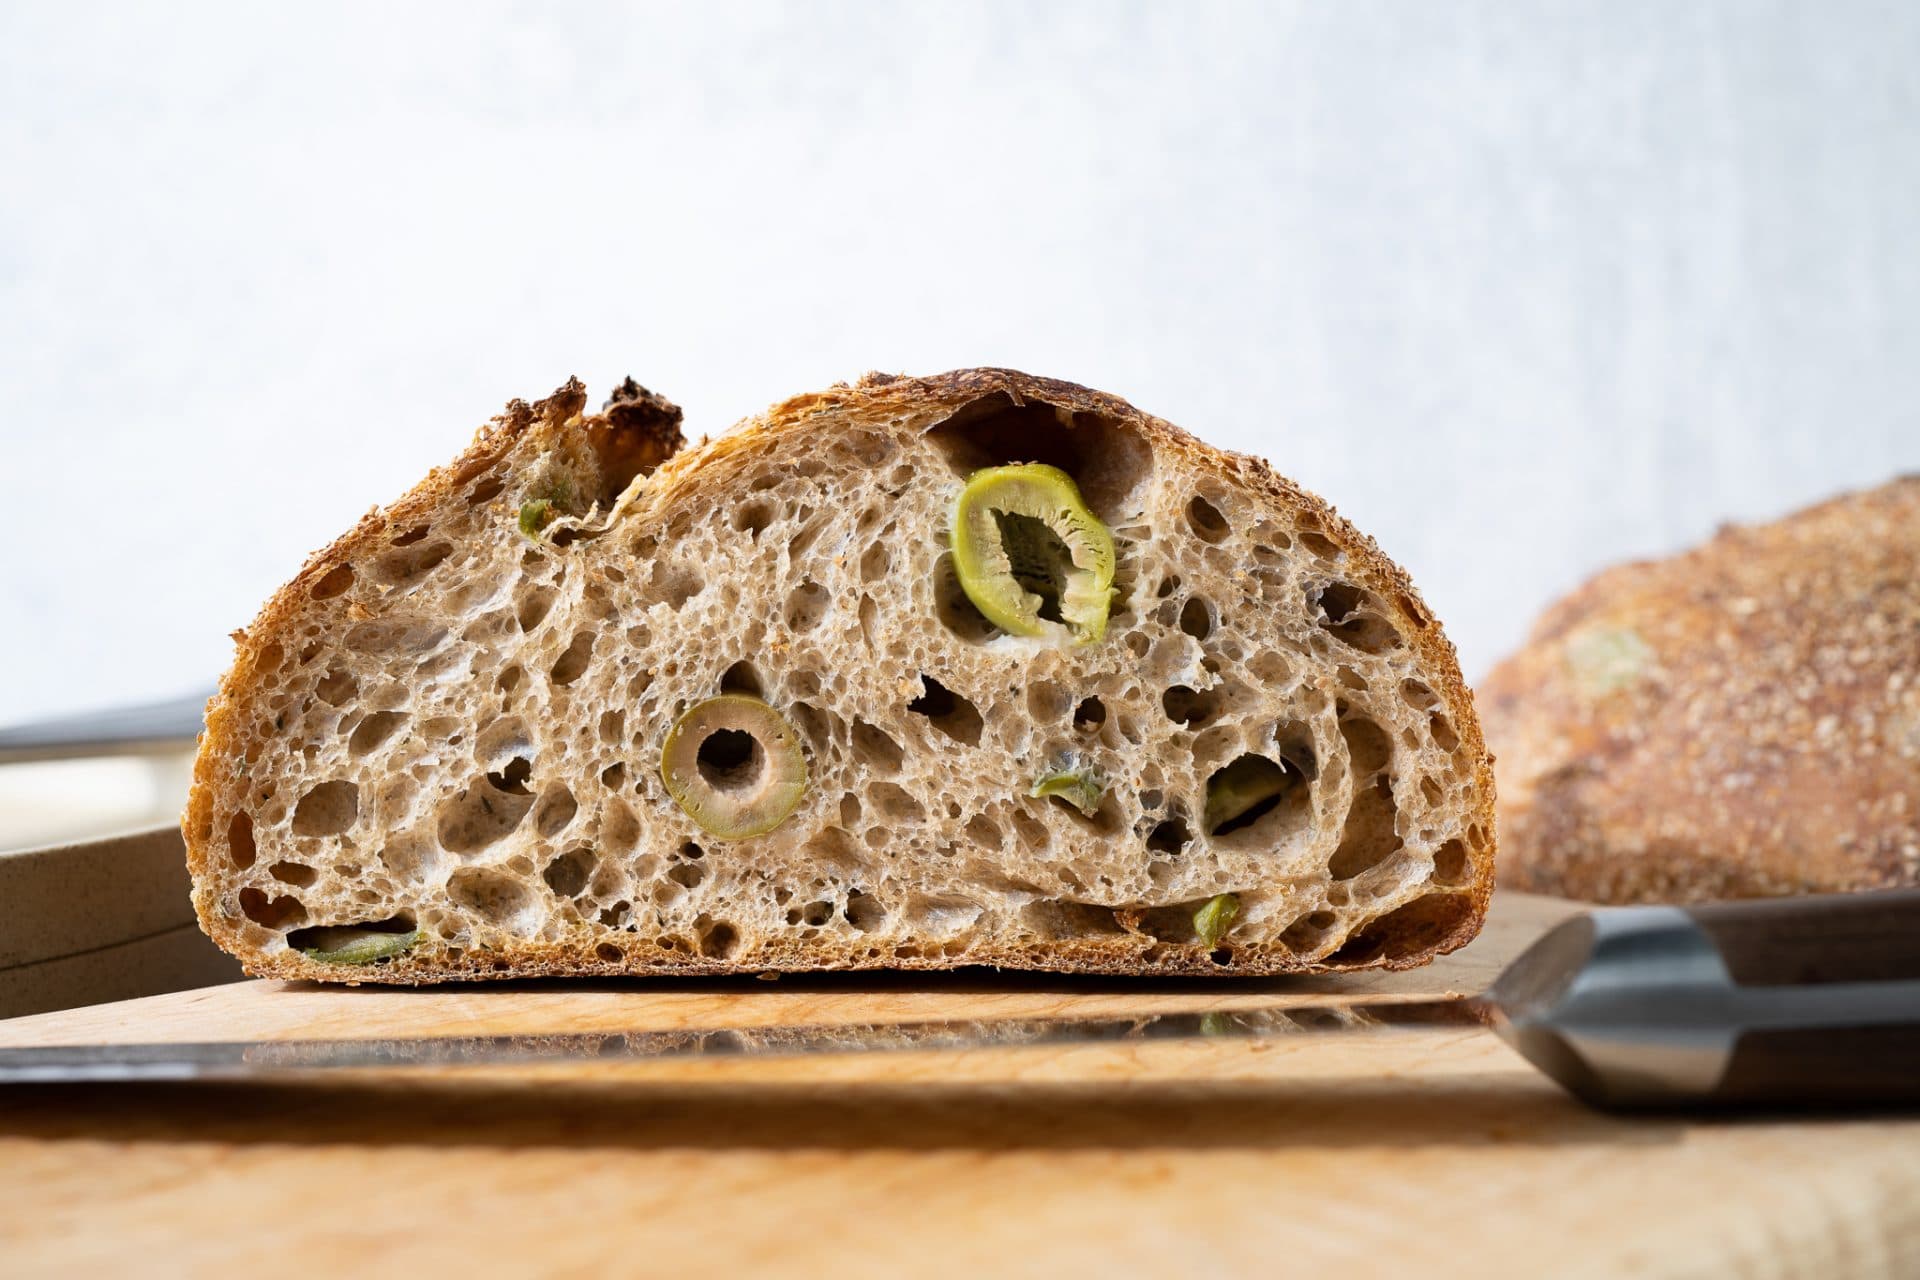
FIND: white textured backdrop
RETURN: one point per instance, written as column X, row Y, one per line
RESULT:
column 1523, row 289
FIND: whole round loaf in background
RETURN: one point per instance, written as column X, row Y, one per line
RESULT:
column 1741, row 720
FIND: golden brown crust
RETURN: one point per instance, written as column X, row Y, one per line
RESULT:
column 1742, row 720
column 1400, row 940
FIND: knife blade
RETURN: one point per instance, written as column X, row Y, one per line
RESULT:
column 239, row 1060
column 1804, row 1002
column 148, row 728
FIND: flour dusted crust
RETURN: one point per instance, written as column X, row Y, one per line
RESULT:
column 1742, row 720
column 447, row 725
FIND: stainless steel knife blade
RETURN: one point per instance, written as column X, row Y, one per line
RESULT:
column 269, row 1059
column 148, row 728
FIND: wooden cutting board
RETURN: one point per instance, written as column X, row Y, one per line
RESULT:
column 1427, row 1153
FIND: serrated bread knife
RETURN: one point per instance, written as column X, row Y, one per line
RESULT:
column 1809, row 1002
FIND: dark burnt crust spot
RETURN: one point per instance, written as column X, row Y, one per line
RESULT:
column 635, row 432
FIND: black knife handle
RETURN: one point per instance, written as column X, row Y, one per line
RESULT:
column 1791, row 942
column 1853, row 943
column 1872, row 1066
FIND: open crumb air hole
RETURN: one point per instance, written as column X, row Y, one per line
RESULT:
column 567, row 875
column 531, row 604
column 730, row 759
column 752, row 518
column 374, row 730
column 1039, row 559
column 1107, row 461
column 1369, row 837
column 1188, row 707
column 325, row 935
column 294, row 873
column 555, row 810
column 327, row 810
column 484, row 812
column 875, row 747
column 950, row 713
column 406, row 564
column 1170, row 836
column 1255, row 801
column 1354, row 617
column 512, row 780
column 956, row 612
column 1251, row 773
column 718, row 940
column 572, row 663
column 864, row 912
column 1369, row 749
column 332, row 583
column 806, row 606
column 1419, row 926
column 1206, row 521
column 1306, row 934
column 496, row 896
column 240, row 844
column 1338, row 600
column 1320, row 544
column 271, row 913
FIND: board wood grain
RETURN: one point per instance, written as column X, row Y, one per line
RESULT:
column 1431, row 1152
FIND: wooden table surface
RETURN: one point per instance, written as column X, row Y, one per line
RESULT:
column 1429, row 1153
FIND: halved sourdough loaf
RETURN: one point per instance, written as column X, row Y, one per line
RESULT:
column 439, row 751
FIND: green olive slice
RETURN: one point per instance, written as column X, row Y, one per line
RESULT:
column 735, row 765
column 536, row 516
column 1030, row 555
column 1078, row 785
column 1214, row 918
column 1240, row 788
column 1219, row 1023
column 351, row 944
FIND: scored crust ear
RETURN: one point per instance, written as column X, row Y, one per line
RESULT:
column 448, row 732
